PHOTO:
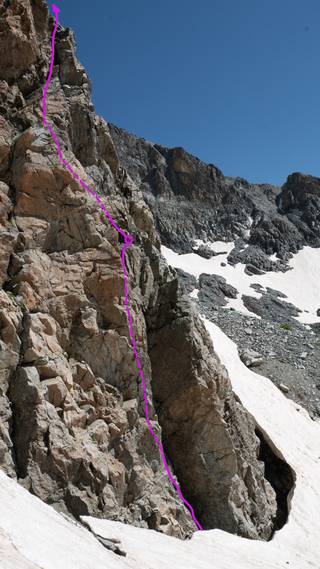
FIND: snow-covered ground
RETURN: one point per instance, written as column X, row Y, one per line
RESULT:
column 33, row 535
column 300, row 285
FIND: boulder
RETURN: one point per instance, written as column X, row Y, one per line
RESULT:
column 214, row 289
column 250, row 358
column 205, row 252
column 57, row 390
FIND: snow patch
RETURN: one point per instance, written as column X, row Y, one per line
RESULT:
column 217, row 246
column 235, row 275
column 300, row 284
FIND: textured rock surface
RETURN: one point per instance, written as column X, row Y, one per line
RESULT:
column 73, row 428
column 193, row 200
column 300, row 201
column 73, row 425
column 208, row 436
column 214, row 289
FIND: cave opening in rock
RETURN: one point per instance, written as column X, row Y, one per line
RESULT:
column 280, row 476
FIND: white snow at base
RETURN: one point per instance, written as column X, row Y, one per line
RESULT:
column 33, row 535
column 295, row 438
column 300, row 284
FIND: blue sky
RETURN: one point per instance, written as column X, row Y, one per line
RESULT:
column 235, row 82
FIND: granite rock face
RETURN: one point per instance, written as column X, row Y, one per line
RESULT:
column 72, row 414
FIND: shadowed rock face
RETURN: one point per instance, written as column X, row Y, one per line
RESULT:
column 300, row 201
column 280, row 476
column 270, row 307
column 207, row 434
column 72, row 415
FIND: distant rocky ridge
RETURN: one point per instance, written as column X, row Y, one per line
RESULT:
column 192, row 200
column 72, row 415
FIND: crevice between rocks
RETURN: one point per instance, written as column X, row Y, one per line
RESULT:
column 282, row 479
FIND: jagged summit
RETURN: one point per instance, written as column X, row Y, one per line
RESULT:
column 192, row 200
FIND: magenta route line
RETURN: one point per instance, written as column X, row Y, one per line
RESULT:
column 128, row 241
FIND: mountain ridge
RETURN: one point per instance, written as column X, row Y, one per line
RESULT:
column 271, row 219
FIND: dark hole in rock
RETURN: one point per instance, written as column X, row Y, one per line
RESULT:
column 280, row 476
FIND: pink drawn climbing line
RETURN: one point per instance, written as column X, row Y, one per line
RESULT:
column 128, row 241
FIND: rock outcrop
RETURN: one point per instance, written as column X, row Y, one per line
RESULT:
column 72, row 415
column 207, row 434
column 300, row 201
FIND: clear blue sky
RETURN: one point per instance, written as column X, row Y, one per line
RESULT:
column 234, row 82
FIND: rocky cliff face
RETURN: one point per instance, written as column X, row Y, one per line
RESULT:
column 73, row 429
column 193, row 200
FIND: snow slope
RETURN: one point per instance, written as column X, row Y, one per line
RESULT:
column 34, row 536
column 301, row 284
